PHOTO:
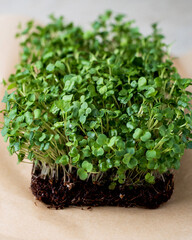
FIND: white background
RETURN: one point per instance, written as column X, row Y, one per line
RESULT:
column 174, row 16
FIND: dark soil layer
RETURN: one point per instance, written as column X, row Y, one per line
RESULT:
column 85, row 193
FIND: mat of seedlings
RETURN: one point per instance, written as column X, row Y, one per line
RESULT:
column 22, row 217
column 75, row 192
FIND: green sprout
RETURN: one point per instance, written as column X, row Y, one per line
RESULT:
column 106, row 99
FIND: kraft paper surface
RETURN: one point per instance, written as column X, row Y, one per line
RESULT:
column 24, row 218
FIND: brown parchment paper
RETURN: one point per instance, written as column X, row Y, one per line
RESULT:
column 24, row 218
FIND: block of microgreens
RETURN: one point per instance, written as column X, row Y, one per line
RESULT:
column 100, row 114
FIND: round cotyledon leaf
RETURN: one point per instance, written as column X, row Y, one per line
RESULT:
column 82, row 174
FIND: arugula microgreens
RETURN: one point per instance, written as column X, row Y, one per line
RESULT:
column 107, row 99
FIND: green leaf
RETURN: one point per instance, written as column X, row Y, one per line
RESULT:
column 162, row 168
column 163, row 130
column 78, row 79
column 150, row 178
column 84, row 105
column 102, row 139
column 98, row 152
column 119, row 17
column 67, row 98
column 12, row 85
column 76, row 158
column 86, row 151
column 131, row 126
column 69, row 84
column 146, row 136
column 42, row 138
column 189, row 145
column 141, row 82
column 46, row 147
column 4, row 131
column 150, row 144
column 60, row 105
column 28, row 117
column 82, row 174
column 91, row 134
column 50, row 67
column 87, row 166
column 151, row 154
column 73, row 152
column 58, row 124
column 134, row 84
column 60, row 66
column 91, row 89
column 103, row 90
column 112, row 185
column 109, row 163
column 112, row 141
column 37, row 113
column 138, row 132
column 152, row 164
column 82, row 119
column 127, row 158
column 45, row 117
column 69, row 144
column 176, row 148
column 64, row 160
column 47, row 56
column 130, row 160
column 151, row 92
column 132, row 163
column 31, row 97
column 39, row 65
column 21, row 157
column 103, row 166
column 131, row 150
column 88, row 111
column 5, row 97
column 158, row 82
column 120, row 144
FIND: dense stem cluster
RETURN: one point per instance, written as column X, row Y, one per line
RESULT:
column 107, row 99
